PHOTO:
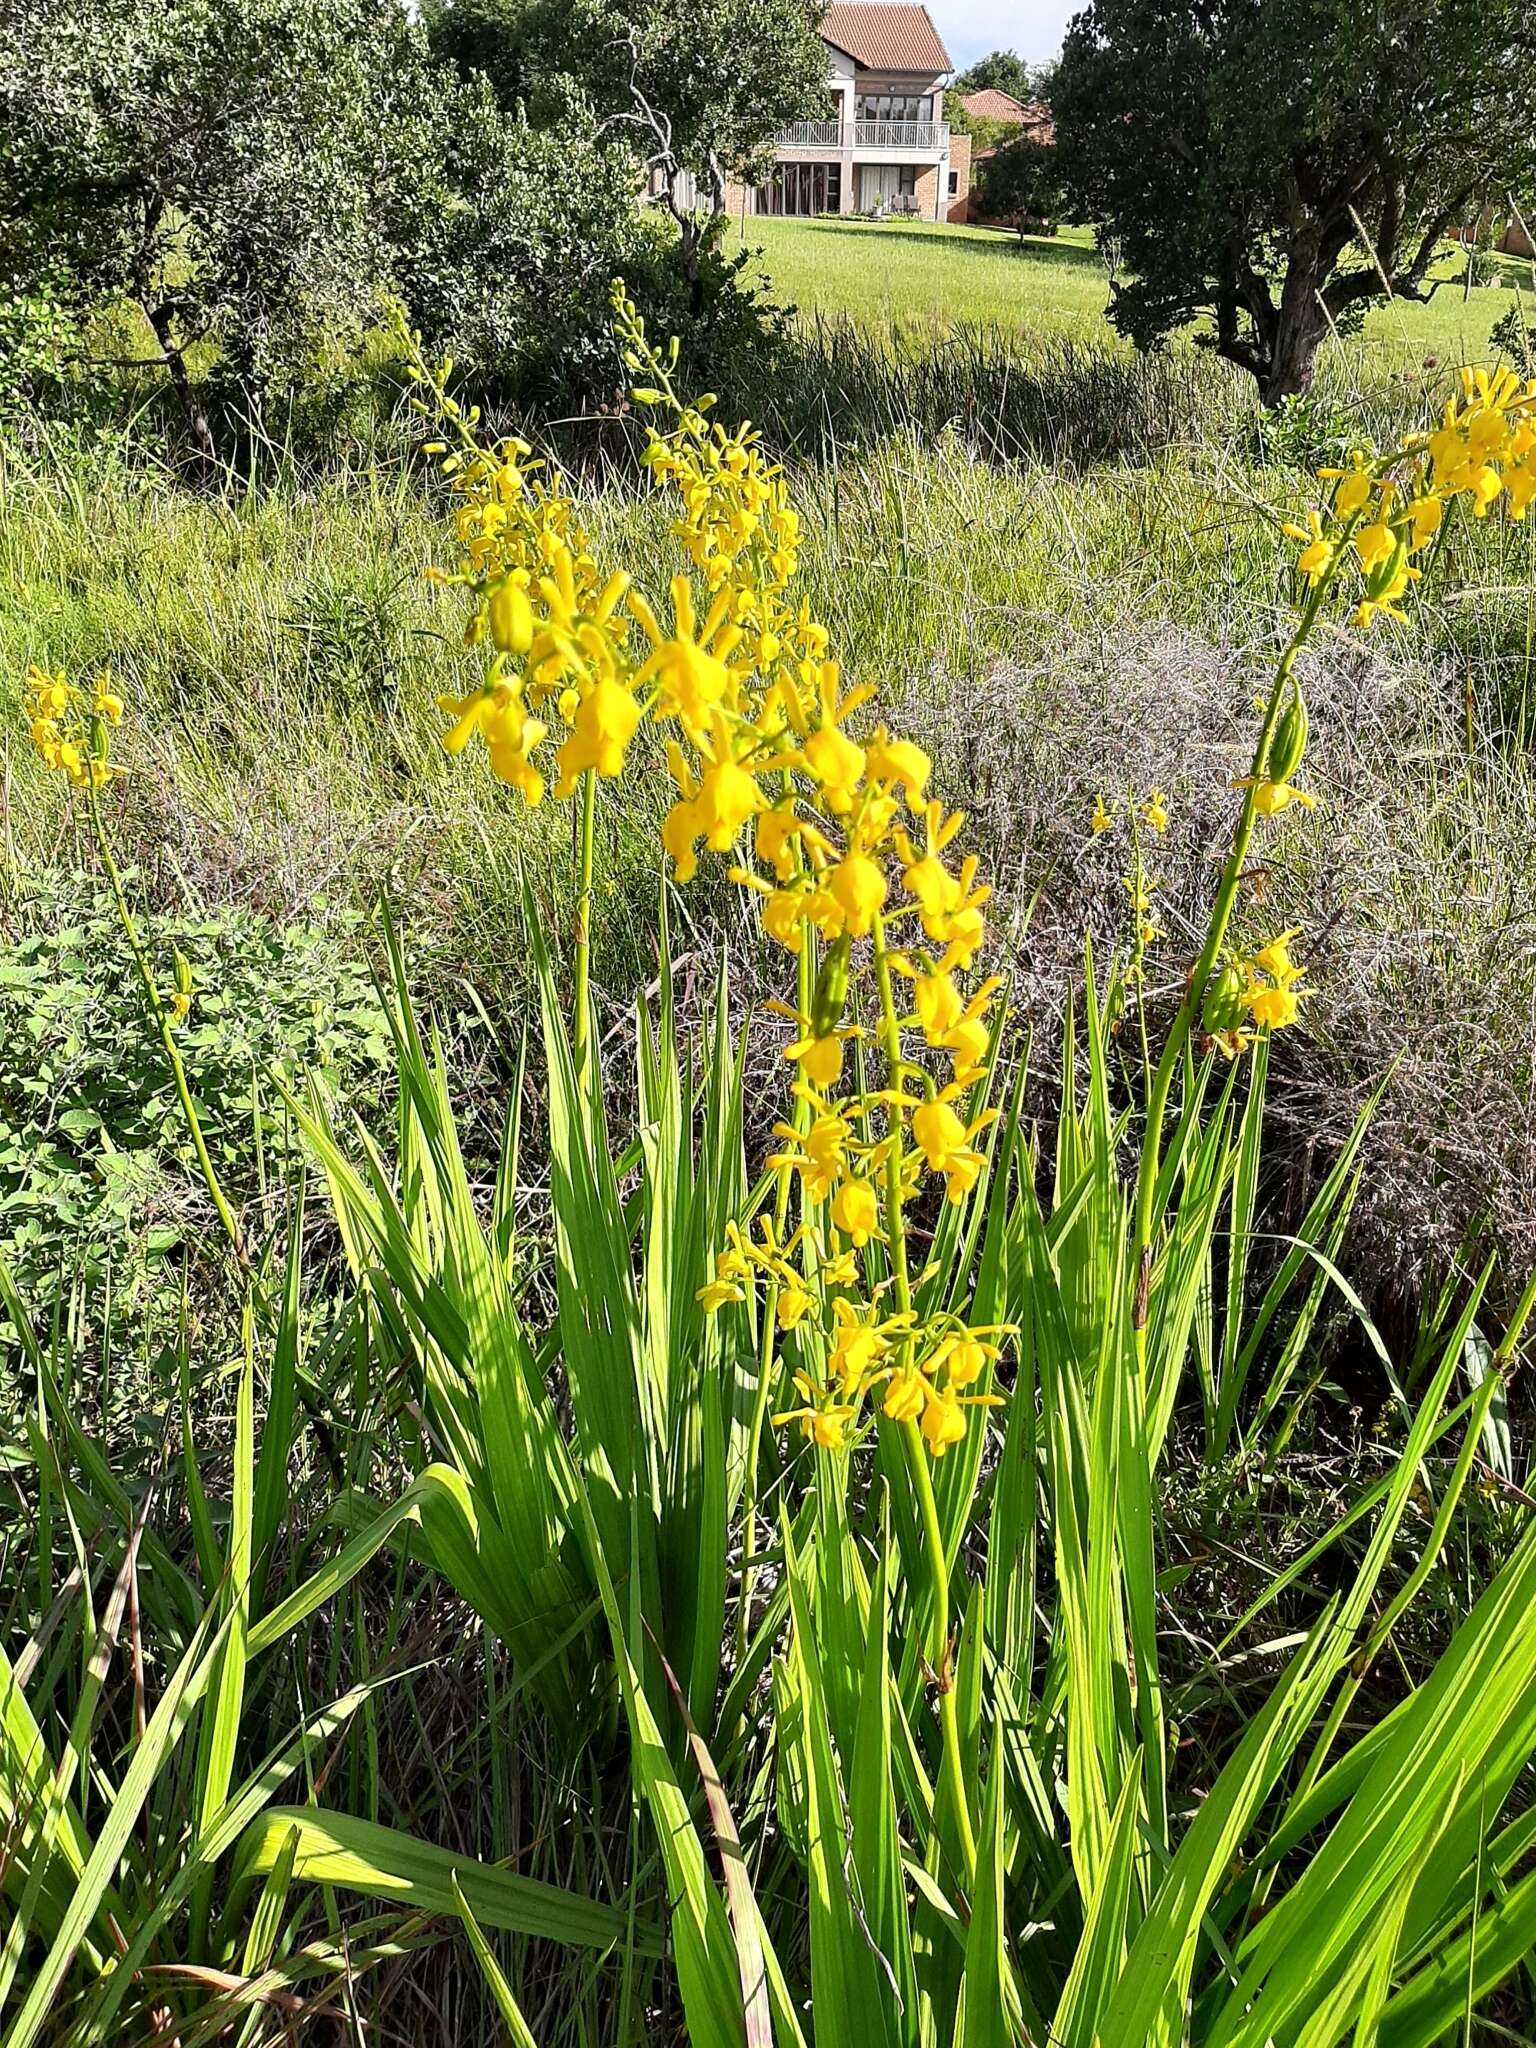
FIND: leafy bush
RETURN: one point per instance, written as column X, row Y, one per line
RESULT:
column 96, row 1168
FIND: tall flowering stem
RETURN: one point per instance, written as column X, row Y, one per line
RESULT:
column 1381, row 513
column 71, row 731
column 836, row 836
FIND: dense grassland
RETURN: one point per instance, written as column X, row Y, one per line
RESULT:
column 1061, row 569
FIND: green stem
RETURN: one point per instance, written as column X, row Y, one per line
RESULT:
column 162, row 1024
column 938, row 1644
column 799, row 1118
column 1215, row 938
column 890, row 1040
column 911, row 1435
column 584, row 918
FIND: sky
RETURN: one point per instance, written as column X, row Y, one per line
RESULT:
column 972, row 27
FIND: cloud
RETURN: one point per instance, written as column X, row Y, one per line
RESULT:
column 971, row 28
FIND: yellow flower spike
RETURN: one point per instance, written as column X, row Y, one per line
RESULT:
column 836, row 764
column 784, row 918
column 820, row 1155
column 946, row 1144
column 1485, row 485
column 1424, row 517
column 962, row 929
column 819, row 1059
column 794, row 1305
column 1154, row 811
column 778, row 830
column 510, row 738
column 1274, row 959
column 827, row 1428
column 1271, row 798
column 728, row 797
column 1102, row 818
column 1353, row 486
column 1520, row 487
column 510, row 615
column 718, row 1292
column 106, row 703
column 1374, row 544
column 824, row 1422
column 963, row 1355
column 1316, row 557
column 1272, row 1009
column 939, row 1005
column 859, row 1344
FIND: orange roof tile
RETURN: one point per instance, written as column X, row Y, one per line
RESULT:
column 886, row 35
column 992, row 105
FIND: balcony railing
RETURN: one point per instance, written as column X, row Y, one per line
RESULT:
column 932, row 136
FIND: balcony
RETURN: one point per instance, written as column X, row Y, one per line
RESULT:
column 925, row 138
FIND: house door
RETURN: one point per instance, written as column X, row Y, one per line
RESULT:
column 803, row 188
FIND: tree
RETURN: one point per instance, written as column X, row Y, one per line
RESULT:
column 1271, row 166
column 1021, row 183
column 699, row 92
column 218, row 166
column 252, row 174
column 1006, row 71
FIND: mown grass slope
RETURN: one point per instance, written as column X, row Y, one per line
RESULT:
column 924, row 279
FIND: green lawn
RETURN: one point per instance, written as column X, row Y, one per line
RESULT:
column 922, row 279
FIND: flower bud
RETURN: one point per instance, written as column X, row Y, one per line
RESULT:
column 1222, row 1009
column 511, row 617
column 831, row 991
column 1290, row 741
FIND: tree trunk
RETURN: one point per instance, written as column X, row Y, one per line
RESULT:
column 175, row 362
column 1299, row 329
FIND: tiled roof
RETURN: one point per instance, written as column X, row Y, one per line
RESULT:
column 886, row 35
column 992, row 105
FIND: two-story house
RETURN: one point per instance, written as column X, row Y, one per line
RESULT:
column 884, row 144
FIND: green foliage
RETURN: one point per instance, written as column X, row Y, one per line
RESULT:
column 1006, row 71
column 1515, row 335
column 1266, row 171
column 218, row 167
column 95, row 1165
column 1021, row 183
column 695, row 91
column 249, row 178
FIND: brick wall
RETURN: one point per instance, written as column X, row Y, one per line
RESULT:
column 957, row 206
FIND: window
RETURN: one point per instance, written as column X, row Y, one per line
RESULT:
column 891, row 187
column 954, row 183
column 895, row 106
column 803, row 188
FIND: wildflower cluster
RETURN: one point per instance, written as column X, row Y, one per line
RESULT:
column 1383, row 513
column 70, row 725
column 829, row 824
column 1253, row 993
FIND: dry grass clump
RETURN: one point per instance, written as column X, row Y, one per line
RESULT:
column 1414, row 884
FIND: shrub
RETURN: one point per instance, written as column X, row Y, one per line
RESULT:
column 96, row 1167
